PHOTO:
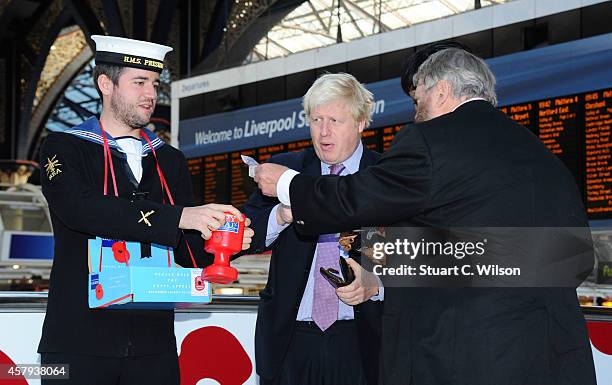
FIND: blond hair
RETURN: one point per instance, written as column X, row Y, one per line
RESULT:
column 341, row 86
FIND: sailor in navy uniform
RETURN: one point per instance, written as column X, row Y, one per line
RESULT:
column 117, row 346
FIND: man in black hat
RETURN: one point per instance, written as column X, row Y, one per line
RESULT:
column 110, row 177
column 462, row 164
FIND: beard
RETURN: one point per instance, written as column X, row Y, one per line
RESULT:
column 422, row 114
column 128, row 113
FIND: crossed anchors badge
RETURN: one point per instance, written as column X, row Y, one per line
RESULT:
column 52, row 167
column 145, row 216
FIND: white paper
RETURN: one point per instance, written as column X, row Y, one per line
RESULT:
column 252, row 163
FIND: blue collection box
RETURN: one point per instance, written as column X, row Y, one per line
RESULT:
column 146, row 282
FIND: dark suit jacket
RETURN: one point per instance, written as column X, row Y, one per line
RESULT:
column 472, row 167
column 290, row 263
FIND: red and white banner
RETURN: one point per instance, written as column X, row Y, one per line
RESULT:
column 216, row 348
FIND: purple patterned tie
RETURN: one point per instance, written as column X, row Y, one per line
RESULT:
column 325, row 300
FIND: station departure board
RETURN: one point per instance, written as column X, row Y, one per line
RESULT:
column 597, row 146
column 215, row 172
column 576, row 128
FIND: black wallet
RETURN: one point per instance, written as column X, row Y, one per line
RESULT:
column 332, row 275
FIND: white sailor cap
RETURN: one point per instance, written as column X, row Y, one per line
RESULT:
column 130, row 53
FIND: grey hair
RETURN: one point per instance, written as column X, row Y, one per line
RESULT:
column 341, row 86
column 468, row 74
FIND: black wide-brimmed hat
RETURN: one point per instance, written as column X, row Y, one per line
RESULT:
column 415, row 60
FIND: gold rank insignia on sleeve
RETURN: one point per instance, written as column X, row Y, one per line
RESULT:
column 144, row 217
column 52, row 167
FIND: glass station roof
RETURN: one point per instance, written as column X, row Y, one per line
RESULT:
column 315, row 23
